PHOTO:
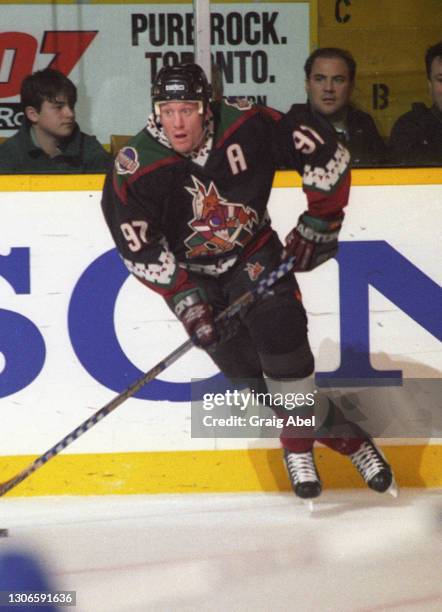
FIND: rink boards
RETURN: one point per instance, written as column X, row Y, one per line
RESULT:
column 75, row 330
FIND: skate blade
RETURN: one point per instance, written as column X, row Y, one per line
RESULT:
column 310, row 504
column 393, row 489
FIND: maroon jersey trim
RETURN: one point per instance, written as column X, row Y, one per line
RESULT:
column 323, row 205
column 272, row 112
column 262, row 238
column 247, row 115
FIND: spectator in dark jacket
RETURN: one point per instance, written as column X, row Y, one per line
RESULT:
column 49, row 140
column 416, row 137
column 330, row 76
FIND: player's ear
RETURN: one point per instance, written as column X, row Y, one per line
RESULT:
column 31, row 114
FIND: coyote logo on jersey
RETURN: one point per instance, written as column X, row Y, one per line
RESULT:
column 218, row 225
column 254, row 270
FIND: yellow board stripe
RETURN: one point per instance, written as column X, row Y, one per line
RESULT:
column 373, row 176
column 207, row 471
column 45, row 182
column 286, row 178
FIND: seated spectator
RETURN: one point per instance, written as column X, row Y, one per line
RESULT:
column 330, row 77
column 416, row 137
column 49, row 140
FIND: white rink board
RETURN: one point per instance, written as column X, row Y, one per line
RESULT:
column 408, row 218
column 65, row 233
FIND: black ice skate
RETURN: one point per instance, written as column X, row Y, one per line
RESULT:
column 303, row 474
column 373, row 468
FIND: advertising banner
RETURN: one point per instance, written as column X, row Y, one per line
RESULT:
column 112, row 51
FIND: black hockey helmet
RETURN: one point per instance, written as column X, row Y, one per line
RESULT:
column 181, row 82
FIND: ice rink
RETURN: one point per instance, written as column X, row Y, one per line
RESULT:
column 358, row 551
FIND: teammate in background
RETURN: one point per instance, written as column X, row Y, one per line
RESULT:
column 186, row 204
column 330, row 79
column 49, row 140
column 416, row 137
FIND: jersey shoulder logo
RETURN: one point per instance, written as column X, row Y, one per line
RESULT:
column 127, row 161
column 218, row 226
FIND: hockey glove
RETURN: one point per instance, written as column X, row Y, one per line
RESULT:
column 313, row 241
column 196, row 316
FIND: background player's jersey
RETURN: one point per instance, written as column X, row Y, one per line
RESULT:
column 169, row 212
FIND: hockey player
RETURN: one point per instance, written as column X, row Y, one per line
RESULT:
column 186, row 205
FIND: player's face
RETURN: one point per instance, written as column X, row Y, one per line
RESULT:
column 435, row 82
column 55, row 118
column 182, row 124
column 329, row 86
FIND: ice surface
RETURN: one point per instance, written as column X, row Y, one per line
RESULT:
column 358, row 551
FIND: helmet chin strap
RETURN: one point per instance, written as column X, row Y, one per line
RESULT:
column 204, row 135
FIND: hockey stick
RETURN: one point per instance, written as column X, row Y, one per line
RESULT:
column 232, row 310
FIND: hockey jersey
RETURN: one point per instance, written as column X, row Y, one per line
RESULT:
column 170, row 213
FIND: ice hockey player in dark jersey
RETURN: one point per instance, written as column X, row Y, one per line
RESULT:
column 186, row 204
